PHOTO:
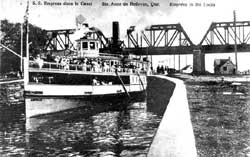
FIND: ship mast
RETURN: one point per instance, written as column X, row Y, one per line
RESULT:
column 21, row 58
column 27, row 30
column 26, row 61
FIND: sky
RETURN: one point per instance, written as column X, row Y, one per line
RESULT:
column 194, row 19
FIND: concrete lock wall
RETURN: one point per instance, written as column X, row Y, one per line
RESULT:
column 174, row 136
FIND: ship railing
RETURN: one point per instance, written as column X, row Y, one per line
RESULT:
column 110, row 55
column 51, row 66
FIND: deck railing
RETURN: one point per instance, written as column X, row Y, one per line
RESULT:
column 52, row 66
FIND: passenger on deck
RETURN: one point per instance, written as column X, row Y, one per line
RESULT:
column 95, row 66
column 105, row 67
column 39, row 61
column 57, row 60
column 65, row 64
column 94, row 81
column 84, row 66
column 112, row 68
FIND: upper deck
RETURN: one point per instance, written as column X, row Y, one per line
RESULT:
column 91, row 67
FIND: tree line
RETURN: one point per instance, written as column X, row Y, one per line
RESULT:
column 10, row 36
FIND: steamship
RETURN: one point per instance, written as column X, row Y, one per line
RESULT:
column 88, row 72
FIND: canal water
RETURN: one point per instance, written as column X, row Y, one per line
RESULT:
column 88, row 131
column 114, row 128
column 220, row 118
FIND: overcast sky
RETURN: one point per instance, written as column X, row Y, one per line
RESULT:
column 195, row 20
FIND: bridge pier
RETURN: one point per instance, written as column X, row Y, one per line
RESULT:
column 198, row 62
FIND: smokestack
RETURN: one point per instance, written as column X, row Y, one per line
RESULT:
column 116, row 32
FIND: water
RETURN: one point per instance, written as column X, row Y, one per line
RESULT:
column 221, row 124
column 221, row 121
column 103, row 129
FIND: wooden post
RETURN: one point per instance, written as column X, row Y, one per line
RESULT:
column 116, row 72
column 235, row 44
column 140, row 80
column 21, row 58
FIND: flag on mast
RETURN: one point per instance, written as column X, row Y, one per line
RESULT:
column 26, row 16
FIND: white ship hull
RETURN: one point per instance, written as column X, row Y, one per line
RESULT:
column 46, row 99
column 45, row 90
column 41, row 106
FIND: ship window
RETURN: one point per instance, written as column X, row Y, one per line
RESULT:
column 85, row 45
column 92, row 45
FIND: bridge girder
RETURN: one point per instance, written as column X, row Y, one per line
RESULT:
column 223, row 33
column 208, row 49
column 173, row 50
column 58, row 39
column 219, row 38
column 167, row 35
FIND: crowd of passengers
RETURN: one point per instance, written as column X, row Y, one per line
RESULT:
column 87, row 64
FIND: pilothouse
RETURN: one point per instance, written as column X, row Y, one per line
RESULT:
column 87, row 47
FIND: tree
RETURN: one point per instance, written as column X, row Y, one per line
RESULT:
column 11, row 37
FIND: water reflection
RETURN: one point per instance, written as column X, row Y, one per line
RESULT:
column 100, row 129
column 12, row 133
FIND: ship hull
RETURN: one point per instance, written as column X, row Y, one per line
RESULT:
column 45, row 90
column 48, row 99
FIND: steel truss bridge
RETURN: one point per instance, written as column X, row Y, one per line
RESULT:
column 171, row 39
column 168, row 39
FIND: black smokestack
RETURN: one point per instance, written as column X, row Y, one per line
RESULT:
column 116, row 32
